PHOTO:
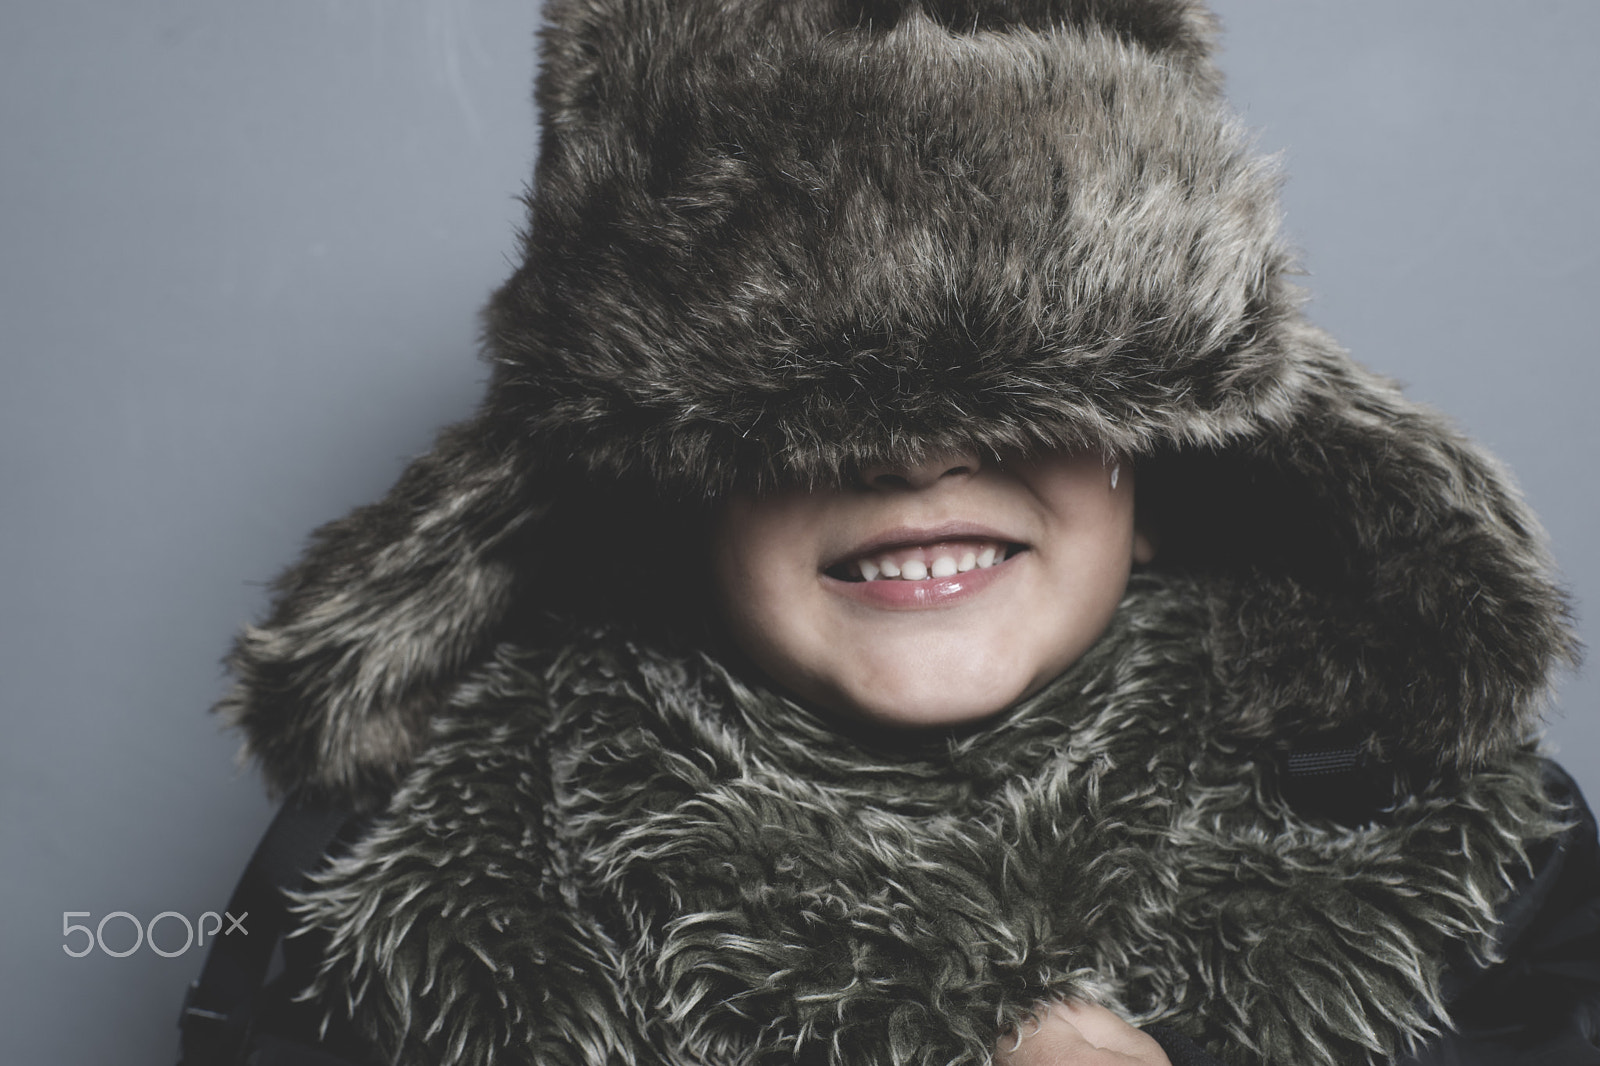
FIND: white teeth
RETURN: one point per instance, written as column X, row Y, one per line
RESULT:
column 896, row 565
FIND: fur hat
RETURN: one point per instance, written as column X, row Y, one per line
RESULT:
column 771, row 242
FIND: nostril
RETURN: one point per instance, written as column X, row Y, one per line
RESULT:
column 920, row 474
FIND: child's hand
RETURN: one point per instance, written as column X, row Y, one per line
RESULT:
column 1073, row 1033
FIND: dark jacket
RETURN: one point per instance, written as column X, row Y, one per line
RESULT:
column 1540, row 1001
column 772, row 244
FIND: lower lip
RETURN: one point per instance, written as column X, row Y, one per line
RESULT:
column 898, row 595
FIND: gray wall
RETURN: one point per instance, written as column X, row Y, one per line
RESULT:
column 242, row 249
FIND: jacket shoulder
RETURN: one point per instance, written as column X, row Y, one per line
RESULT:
column 1540, row 1001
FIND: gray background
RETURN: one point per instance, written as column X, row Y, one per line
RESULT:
column 243, row 246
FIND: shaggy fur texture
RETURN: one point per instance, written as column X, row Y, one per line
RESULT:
column 770, row 243
column 610, row 854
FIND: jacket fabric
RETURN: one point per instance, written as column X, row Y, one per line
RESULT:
column 772, row 244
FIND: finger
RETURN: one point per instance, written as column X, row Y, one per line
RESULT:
column 1044, row 1040
column 1105, row 1029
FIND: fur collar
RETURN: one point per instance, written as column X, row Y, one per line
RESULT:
column 616, row 854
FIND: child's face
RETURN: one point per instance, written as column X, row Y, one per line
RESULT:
column 1007, row 573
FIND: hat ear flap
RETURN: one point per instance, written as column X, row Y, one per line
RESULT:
column 335, row 690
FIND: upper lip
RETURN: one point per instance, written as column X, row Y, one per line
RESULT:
column 912, row 536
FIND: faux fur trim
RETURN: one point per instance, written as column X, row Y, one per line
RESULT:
column 772, row 242
column 763, row 251
column 618, row 855
column 336, row 687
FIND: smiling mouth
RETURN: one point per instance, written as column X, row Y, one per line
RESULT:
column 925, row 562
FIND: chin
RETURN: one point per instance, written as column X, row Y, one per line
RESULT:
column 927, row 705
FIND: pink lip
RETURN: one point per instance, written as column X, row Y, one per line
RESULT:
column 899, row 595
column 932, row 592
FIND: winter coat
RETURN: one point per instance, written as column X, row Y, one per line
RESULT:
column 770, row 244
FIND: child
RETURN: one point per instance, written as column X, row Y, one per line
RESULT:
column 759, row 676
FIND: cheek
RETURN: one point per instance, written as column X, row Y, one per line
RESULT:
column 1087, row 560
column 748, row 595
column 739, row 593
column 760, row 566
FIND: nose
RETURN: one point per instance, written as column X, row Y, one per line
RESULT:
column 923, row 473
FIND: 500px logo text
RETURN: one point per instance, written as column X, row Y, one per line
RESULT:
column 146, row 934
